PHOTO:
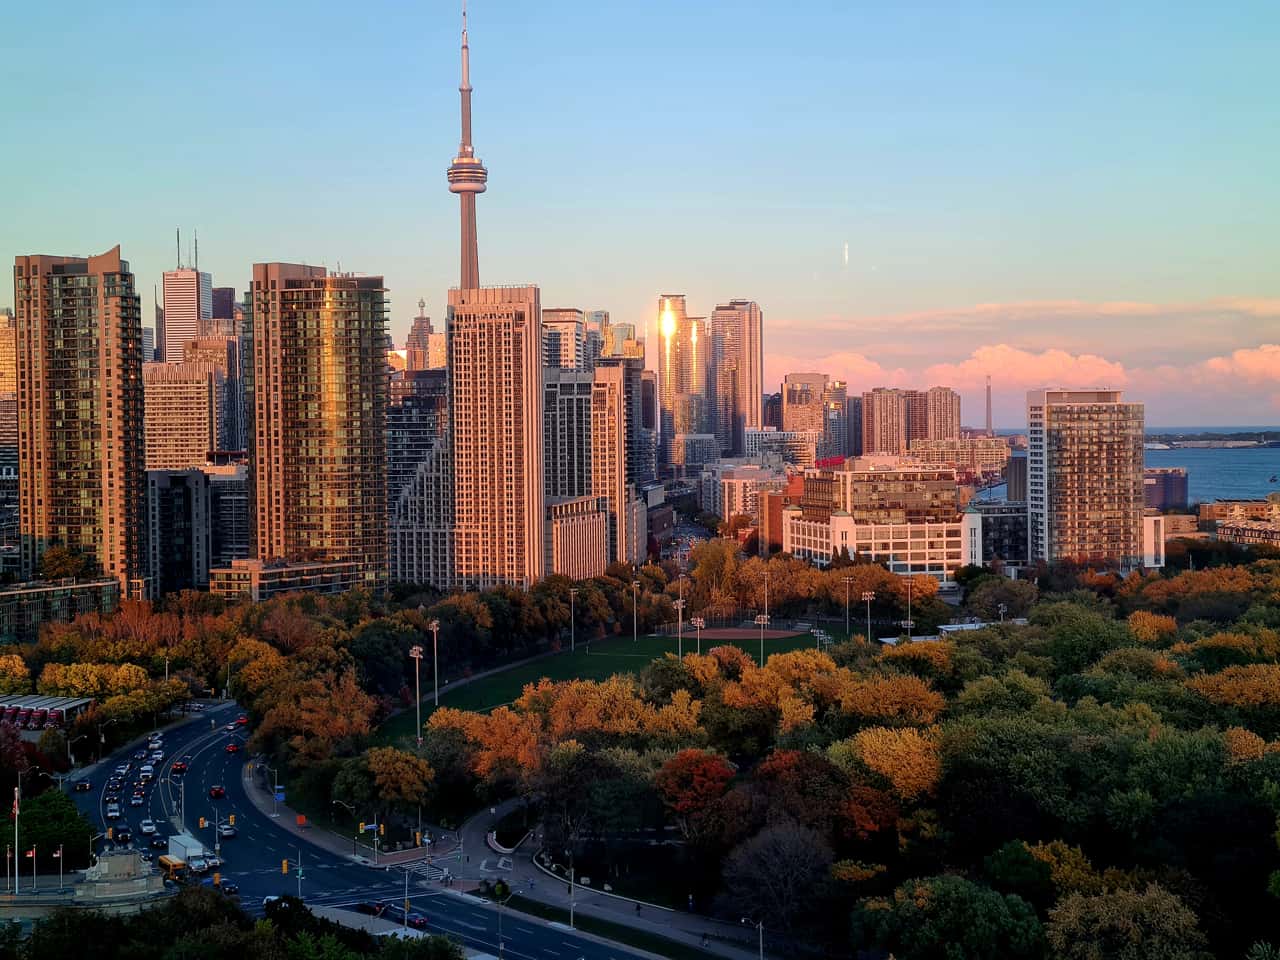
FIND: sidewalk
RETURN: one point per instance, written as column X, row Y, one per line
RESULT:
column 527, row 879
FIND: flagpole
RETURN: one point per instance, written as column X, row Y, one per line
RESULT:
column 17, row 850
column 35, row 885
column 59, row 856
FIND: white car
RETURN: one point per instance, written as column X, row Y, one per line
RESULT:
column 213, row 861
column 198, row 865
column 113, row 811
column 147, row 827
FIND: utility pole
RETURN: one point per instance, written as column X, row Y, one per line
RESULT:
column 867, row 597
column 635, row 601
column 17, row 847
column 416, row 653
column 434, row 627
column 847, row 581
column 573, row 639
column 698, row 624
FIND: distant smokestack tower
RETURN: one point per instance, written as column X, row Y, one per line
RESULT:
column 990, row 432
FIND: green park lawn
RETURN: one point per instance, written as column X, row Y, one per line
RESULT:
column 597, row 661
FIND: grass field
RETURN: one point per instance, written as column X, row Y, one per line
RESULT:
column 599, row 660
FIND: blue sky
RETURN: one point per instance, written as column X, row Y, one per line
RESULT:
column 1004, row 175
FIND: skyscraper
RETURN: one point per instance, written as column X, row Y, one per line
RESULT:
column 884, row 421
column 495, row 401
column 224, row 303
column 564, row 339
column 835, row 419
column 566, row 431
column 317, row 388
column 8, row 351
column 188, row 307
column 424, row 348
column 682, row 374
column 1085, row 477
column 82, row 480
column 610, row 429
column 737, row 371
column 417, row 417
column 223, row 352
column 802, row 402
column 942, row 415
column 184, row 408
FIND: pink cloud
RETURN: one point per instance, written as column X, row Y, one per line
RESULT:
column 1014, row 367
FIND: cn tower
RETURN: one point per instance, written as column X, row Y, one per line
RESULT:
column 467, row 174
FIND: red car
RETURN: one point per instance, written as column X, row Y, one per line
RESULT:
column 216, row 792
column 242, row 721
column 179, row 767
column 232, row 747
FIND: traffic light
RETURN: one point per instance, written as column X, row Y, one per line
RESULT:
column 217, row 879
column 203, row 823
column 231, row 819
column 111, row 832
column 362, row 826
column 417, row 838
column 382, row 829
column 284, row 866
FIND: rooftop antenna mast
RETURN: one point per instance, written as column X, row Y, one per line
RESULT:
column 177, row 236
column 197, row 233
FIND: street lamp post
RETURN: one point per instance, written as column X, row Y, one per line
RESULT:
column 910, row 590
column 847, row 581
column 679, row 605
column 698, row 624
column 759, row 925
column 416, row 653
column 299, row 849
column 573, row 629
column 1003, row 608
column 867, row 597
column 70, row 743
column 434, row 627
column 102, row 738
column 275, row 791
column 58, row 856
column 352, row 810
column 762, row 619
column 635, row 603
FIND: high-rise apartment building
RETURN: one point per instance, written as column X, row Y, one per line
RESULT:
column 178, row 530
column 188, row 307
column 884, row 421
column 835, row 419
column 611, row 474
column 942, row 415
column 683, row 360
column 317, row 387
column 148, row 345
column 737, row 371
column 566, row 431
column 224, row 303
column 495, row 414
column 564, row 339
column 417, row 418
column 223, row 352
column 184, row 406
column 80, row 413
column 802, row 402
column 1084, row 477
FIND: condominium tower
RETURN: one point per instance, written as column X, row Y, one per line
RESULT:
column 185, row 404
column 495, row 401
column 737, row 372
column 683, row 360
column 1084, row 477
column 80, row 413
column 316, row 385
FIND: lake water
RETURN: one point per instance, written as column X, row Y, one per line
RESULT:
column 1239, row 474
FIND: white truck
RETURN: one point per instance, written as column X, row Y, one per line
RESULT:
column 186, row 848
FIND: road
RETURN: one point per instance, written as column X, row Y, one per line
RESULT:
column 252, row 859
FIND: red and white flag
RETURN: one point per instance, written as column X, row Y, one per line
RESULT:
column 31, row 854
column 57, row 854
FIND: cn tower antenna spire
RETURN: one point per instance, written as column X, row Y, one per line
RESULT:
column 467, row 175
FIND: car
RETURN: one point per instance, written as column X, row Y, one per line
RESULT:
column 230, row 727
column 123, row 835
column 159, row 843
column 212, row 861
column 178, row 767
column 157, row 756
column 229, row 888
column 112, row 799
column 197, row 707
column 113, row 811
column 198, row 865
column 242, row 721
column 137, row 800
column 140, row 755
column 83, row 786
column 147, row 857
column 232, row 747
column 226, row 831
column 371, row 908
column 122, row 769
column 266, row 900
column 217, row 792
column 147, row 827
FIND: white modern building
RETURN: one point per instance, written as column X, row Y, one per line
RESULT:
column 934, row 548
column 188, row 306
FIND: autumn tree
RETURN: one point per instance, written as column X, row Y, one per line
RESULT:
column 401, row 778
column 1125, row 925
column 59, row 563
column 15, row 677
column 903, row 757
column 689, row 783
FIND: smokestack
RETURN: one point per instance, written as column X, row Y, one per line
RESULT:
column 990, row 431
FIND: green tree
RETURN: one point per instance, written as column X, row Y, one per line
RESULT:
column 49, row 820
column 949, row 918
column 59, row 563
column 985, row 598
column 1152, row 924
